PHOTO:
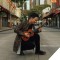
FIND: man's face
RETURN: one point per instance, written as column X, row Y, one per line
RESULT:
column 34, row 20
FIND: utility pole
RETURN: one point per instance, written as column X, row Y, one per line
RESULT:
column 10, row 14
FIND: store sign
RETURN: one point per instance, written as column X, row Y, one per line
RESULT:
column 53, row 1
column 58, row 3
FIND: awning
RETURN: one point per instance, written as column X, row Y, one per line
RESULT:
column 14, row 16
column 57, row 12
column 2, row 9
column 50, row 15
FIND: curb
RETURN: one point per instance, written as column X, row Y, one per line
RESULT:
column 5, row 30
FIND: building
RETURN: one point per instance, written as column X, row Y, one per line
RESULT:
column 37, row 2
column 34, row 3
column 47, row 2
column 7, row 13
column 54, row 13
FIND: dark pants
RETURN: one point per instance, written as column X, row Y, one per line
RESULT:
column 35, row 40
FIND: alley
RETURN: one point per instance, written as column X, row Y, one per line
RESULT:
column 50, row 42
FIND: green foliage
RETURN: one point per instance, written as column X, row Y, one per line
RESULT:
column 39, row 8
column 17, row 1
column 23, row 18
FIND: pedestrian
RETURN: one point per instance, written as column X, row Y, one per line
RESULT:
column 25, row 26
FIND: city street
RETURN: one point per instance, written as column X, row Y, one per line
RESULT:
column 27, row 12
column 50, row 42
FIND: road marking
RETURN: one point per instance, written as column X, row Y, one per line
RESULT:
column 56, row 55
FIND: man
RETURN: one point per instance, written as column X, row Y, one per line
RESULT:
column 24, row 26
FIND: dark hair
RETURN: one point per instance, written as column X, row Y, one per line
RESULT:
column 33, row 15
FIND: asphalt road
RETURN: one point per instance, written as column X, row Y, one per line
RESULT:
column 50, row 42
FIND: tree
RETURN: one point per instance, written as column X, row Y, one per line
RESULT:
column 39, row 8
column 19, row 1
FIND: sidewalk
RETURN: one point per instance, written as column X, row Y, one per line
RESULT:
column 46, row 29
column 5, row 29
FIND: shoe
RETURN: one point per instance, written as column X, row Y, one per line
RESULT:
column 40, row 53
column 21, row 53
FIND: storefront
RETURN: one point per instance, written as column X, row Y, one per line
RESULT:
column 58, row 20
column 3, row 17
column 53, row 19
column 6, row 18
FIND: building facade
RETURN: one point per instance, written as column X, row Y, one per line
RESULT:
column 7, row 13
column 34, row 3
column 55, row 12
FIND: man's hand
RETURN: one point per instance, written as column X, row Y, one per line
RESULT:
column 27, row 34
column 40, row 29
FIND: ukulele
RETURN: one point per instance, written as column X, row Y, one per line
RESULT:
column 31, row 33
